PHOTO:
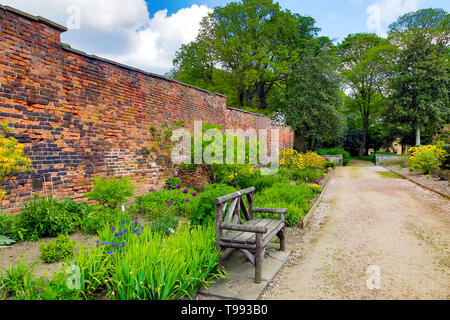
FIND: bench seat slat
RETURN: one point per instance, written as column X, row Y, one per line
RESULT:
column 249, row 237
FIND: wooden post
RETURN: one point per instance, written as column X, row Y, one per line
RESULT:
column 282, row 237
column 258, row 258
column 219, row 218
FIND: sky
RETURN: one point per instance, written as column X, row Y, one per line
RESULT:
column 147, row 33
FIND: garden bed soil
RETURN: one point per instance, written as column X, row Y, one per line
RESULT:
column 431, row 181
column 30, row 250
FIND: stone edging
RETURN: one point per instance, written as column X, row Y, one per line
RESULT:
column 310, row 212
column 446, row 196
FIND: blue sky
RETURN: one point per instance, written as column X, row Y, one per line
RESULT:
column 336, row 18
column 147, row 33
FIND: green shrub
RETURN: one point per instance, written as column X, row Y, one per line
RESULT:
column 96, row 217
column 45, row 217
column 446, row 161
column 155, row 205
column 111, row 192
column 425, row 159
column 171, row 183
column 306, row 175
column 330, row 164
column 204, row 210
column 263, row 181
column 56, row 250
column 335, row 151
column 293, row 197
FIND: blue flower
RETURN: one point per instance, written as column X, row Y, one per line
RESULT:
column 105, row 242
column 113, row 243
column 116, row 234
column 113, row 228
column 117, row 246
column 123, row 244
column 110, row 252
column 138, row 233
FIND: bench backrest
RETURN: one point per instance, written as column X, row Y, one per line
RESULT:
column 231, row 205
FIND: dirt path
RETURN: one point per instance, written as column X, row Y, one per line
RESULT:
column 371, row 237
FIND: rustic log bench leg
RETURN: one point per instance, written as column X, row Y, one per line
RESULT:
column 281, row 236
column 258, row 258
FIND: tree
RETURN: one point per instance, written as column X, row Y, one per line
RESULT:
column 313, row 99
column 253, row 43
column 419, row 89
column 419, row 85
column 365, row 62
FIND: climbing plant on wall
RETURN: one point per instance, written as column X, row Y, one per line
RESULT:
column 12, row 158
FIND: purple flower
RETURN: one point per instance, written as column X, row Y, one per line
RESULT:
column 110, row 252
column 169, row 186
column 105, row 242
column 116, row 234
column 178, row 187
column 117, row 246
column 138, row 233
column 185, row 191
column 187, row 200
column 194, row 194
column 123, row 244
column 113, row 244
column 113, row 228
column 170, row 203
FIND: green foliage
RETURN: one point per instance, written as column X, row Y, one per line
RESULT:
column 263, row 181
column 446, row 162
column 313, row 101
column 7, row 225
column 424, row 160
column 16, row 278
column 95, row 217
column 172, row 182
column 334, row 151
column 56, row 250
column 155, row 205
column 155, row 267
column 45, row 217
column 205, row 209
column 167, row 225
column 419, row 97
column 6, row 241
column 284, row 195
column 330, row 164
column 111, row 192
column 255, row 41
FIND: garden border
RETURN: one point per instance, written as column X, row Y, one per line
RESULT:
column 304, row 222
column 446, row 196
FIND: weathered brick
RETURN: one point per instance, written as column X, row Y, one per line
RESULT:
column 81, row 117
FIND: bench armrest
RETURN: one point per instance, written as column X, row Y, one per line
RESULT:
column 270, row 210
column 241, row 227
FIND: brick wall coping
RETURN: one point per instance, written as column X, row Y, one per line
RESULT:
column 35, row 18
column 67, row 47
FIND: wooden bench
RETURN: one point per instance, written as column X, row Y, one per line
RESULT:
column 239, row 230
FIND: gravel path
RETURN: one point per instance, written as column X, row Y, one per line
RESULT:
column 371, row 237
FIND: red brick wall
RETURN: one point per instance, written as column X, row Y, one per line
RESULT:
column 81, row 116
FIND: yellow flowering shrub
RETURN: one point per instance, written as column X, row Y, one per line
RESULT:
column 425, row 158
column 12, row 159
column 293, row 159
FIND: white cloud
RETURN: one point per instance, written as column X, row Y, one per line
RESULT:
column 157, row 43
column 122, row 30
column 383, row 12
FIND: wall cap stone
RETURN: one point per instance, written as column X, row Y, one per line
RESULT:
column 35, row 18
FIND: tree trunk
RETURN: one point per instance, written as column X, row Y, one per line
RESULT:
column 362, row 147
column 418, row 137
